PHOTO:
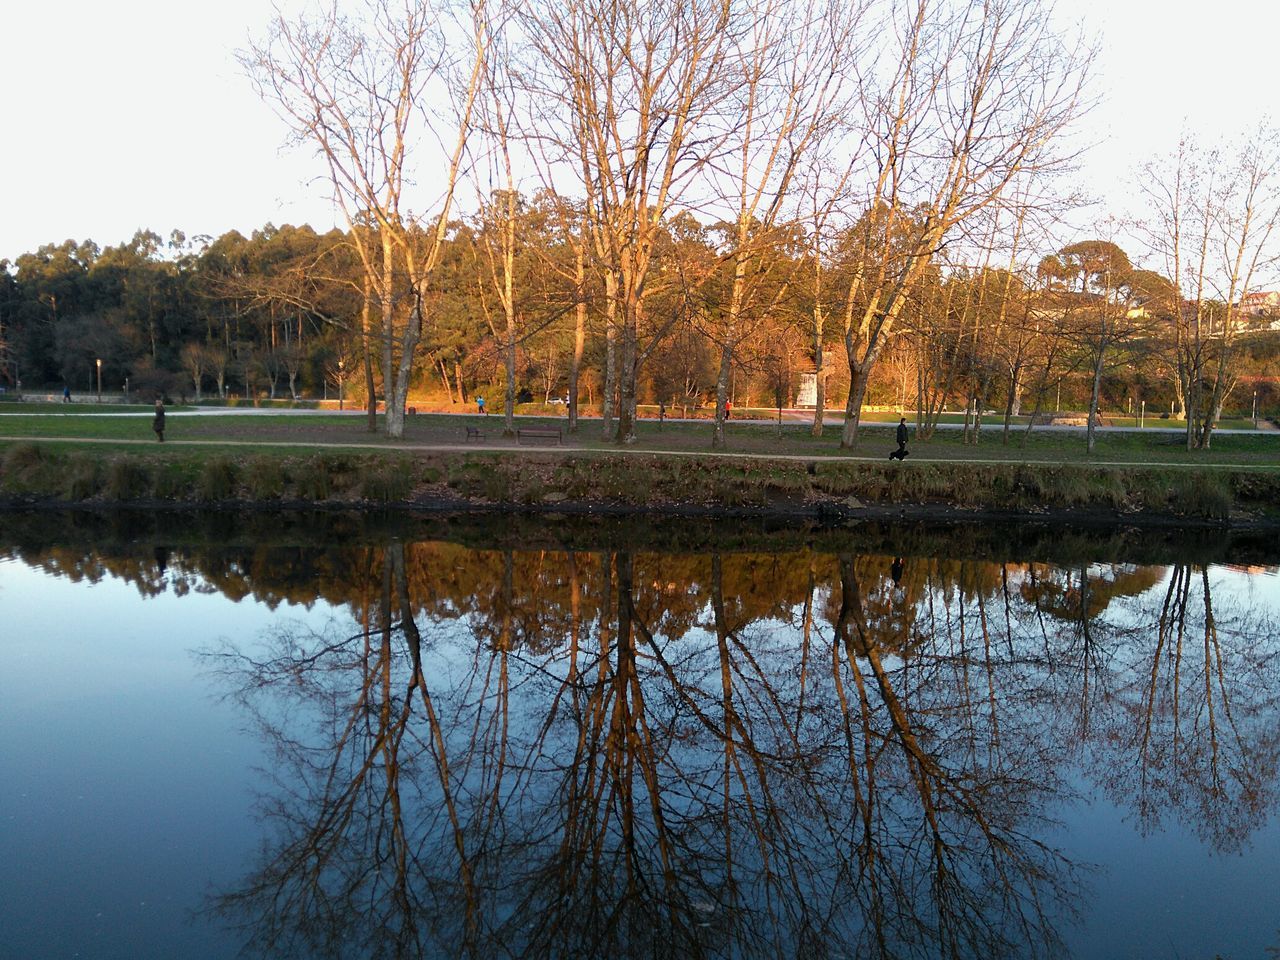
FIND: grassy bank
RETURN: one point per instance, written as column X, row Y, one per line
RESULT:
column 33, row 473
column 281, row 431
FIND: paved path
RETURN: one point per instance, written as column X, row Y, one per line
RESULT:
column 792, row 418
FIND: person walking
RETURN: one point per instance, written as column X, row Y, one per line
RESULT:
column 901, row 452
column 480, row 405
column 157, row 422
column 66, row 394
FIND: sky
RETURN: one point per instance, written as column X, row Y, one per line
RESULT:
column 135, row 114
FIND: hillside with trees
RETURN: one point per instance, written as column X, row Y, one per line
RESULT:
column 534, row 211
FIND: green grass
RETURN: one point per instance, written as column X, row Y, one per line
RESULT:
column 281, row 434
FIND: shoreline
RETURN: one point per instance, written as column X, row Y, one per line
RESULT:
column 790, row 490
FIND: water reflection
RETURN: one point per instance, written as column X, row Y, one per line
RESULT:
column 617, row 753
column 516, row 742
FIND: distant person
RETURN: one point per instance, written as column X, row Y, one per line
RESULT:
column 157, row 422
column 902, row 452
column 480, row 405
column 66, row 394
column 728, row 409
column 895, row 570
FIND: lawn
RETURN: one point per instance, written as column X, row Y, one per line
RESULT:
column 286, row 431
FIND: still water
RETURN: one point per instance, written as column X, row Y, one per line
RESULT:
column 326, row 737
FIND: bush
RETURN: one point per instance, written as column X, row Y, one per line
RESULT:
column 217, row 480
column 127, row 479
column 22, row 457
column 312, row 479
column 264, row 478
column 1201, row 494
column 171, row 482
column 83, row 478
column 386, row 482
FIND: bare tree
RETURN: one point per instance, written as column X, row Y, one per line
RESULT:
column 970, row 98
column 637, row 93
column 358, row 91
column 788, row 73
column 1214, row 222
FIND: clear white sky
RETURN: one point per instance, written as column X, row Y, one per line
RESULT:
column 135, row 113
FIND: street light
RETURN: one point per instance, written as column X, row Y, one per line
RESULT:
column 99, row 379
column 342, row 366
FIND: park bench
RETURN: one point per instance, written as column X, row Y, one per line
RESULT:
column 474, row 433
column 538, row 433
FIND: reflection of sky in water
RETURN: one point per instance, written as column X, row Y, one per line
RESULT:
column 128, row 786
column 127, row 789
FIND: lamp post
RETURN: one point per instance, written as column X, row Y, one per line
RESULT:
column 99, row 361
column 342, row 367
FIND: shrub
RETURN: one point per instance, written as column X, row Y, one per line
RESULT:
column 22, row 457
column 217, row 479
column 312, row 479
column 126, row 479
column 264, row 478
column 82, row 478
column 1201, row 494
column 170, row 482
column 386, row 482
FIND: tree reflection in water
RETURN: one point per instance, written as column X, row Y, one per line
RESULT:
column 571, row 754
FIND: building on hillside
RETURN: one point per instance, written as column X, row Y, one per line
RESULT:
column 1261, row 301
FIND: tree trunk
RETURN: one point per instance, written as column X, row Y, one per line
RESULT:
column 607, row 426
column 444, row 379
column 1013, row 402
column 579, row 335
column 820, row 382
column 509, row 351
column 627, row 372
column 858, row 375
column 1093, row 402
column 722, row 387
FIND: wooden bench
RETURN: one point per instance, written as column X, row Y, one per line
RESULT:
column 538, row 433
column 474, row 433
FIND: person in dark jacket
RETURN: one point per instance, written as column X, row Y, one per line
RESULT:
column 901, row 453
column 157, row 423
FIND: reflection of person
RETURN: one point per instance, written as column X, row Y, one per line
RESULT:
column 895, row 570
column 901, row 452
column 157, row 423
column 480, row 405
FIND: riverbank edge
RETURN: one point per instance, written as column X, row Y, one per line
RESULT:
column 32, row 475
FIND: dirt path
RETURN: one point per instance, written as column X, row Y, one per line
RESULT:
column 625, row 451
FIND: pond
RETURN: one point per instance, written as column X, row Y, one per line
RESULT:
column 306, row 735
